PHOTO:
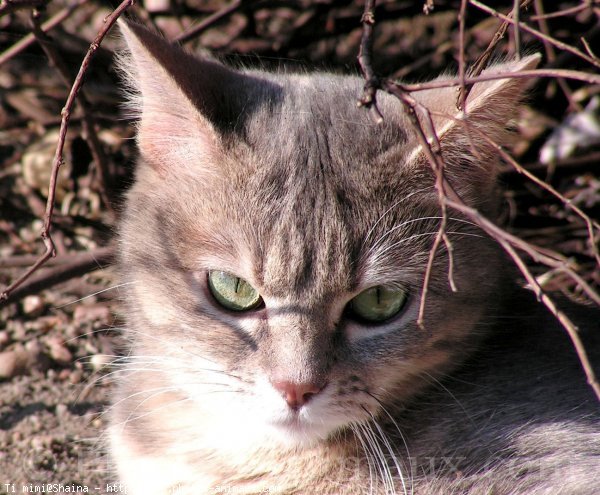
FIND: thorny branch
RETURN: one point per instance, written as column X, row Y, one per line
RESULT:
column 449, row 198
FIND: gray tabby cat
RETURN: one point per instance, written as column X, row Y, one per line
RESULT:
column 274, row 246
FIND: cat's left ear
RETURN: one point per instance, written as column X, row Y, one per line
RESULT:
column 182, row 101
column 490, row 107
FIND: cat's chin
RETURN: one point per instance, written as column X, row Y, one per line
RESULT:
column 297, row 432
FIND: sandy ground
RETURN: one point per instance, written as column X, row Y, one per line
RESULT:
column 54, row 392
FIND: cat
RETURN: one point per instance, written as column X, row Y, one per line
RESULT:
column 273, row 250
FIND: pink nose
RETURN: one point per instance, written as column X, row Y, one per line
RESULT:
column 297, row 394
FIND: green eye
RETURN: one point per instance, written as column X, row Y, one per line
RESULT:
column 378, row 304
column 233, row 292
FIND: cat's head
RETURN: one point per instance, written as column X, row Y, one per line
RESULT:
column 276, row 240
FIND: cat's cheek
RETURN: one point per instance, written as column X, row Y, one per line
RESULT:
column 152, row 304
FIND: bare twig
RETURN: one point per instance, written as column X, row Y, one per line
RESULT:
column 538, row 34
column 58, row 156
column 210, row 21
column 549, row 258
column 433, row 152
column 462, row 92
column 551, row 55
column 588, row 48
column 540, row 16
column 590, row 224
column 516, row 15
column 483, row 60
column 525, row 74
column 8, row 6
column 50, row 24
column 508, row 242
column 89, row 125
column 65, row 267
column 372, row 82
column 575, row 161
column 447, row 196
column 369, row 100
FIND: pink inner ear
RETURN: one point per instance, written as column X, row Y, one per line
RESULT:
column 496, row 98
column 170, row 143
column 172, row 130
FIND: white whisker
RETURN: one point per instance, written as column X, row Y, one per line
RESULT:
column 94, row 294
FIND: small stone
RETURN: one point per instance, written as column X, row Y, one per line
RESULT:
column 58, row 351
column 64, row 375
column 157, row 5
column 34, row 165
column 14, row 362
column 47, row 323
column 61, row 409
column 33, row 306
column 40, row 442
column 34, row 355
column 33, row 348
column 93, row 312
column 8, row 364
column 18, row 330
column 76, row 376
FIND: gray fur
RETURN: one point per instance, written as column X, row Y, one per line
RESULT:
column 283, row 181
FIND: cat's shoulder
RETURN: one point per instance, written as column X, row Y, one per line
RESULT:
column 520, row 414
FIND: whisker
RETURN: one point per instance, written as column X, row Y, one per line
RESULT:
column 359, row 435
column 388, row 445
column 94, row 294
column 415, row 236
column 379, row 456
column 397, row 203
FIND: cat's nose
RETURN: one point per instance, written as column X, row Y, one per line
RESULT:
column 297, row 394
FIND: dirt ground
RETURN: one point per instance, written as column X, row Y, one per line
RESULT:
column 54, row 398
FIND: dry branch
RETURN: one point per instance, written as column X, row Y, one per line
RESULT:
column 58, row 156
column 9, row 6
column 65, row 267
column 448, row 197
column 483, row 60
column 50, row 24
column 210, row 21
column 538, row 34
column 89, row 124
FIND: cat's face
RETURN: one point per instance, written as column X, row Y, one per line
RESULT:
column 276, row 241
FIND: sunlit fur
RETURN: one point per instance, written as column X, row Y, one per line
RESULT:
column 282, row 180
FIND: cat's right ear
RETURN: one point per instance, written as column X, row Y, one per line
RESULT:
column 175, row 97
